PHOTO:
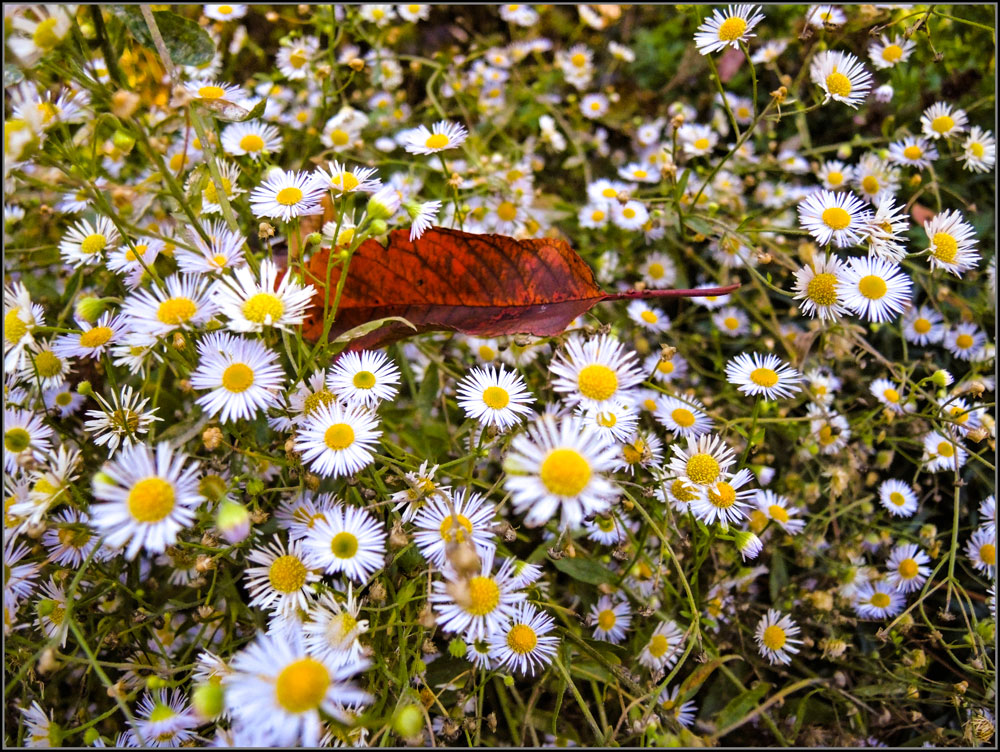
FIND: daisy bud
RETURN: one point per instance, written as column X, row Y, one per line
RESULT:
column 748, row 544
column 356, row 64
column 384, row 203
column 233, row 521
column 90, row 736
column 408, row 721
column 208, row 700
column 211, row 438
column 178, row 342
column 124, row 103
column 377, row 592
column 89, row 308
column 265, row 230
column 314, row 238
column 85, row 389
column 379, row 227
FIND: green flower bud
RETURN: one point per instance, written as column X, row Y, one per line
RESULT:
column 314, row 238
column 255, row 486
column 90, row 736
column 379, row 227
column 45, row 607
column 408, row 721
column 208, row 700
column 123, row 141
column 233, row 520
column 90, row 308
column 457, row 648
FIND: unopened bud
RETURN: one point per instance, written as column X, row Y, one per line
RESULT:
column 356, row 64
column 89, row 308
column 208, row 700
column 748, row 544
column 124, row 103
column 212, row 437
column 408, row 721
column 178, row 341
column 233, row 521
column 123, row 140
column 85, row 389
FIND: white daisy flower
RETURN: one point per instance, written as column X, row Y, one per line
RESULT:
column 696, row 139
column 366, row 378
column 51, row 613
column 669, row 703
column 648, row 317
column 941, row 121
column 559, row 467
column 185, row 304
column 606, row 530
column 825, row 16
column 442, row 135
column 211, row 203
column 952, row 243
column 594, row 105
column 84, row 243
column 63, row 400
column 979, row 150
column 988, row 514
column 907, row 568
column 293, row 57
column 643, row 450
column 494, row 397
column 771, row 506
column 704, row 462
column 340, row 180
column 44, row 368
column 891, row 395
column 332, row 631
column 775, row 636
column 766, row 375
column 841, row 76
column 965, row 340
column 629, row 216
column 943, row 452
column 830, row 428
column 593, row 216
column 287, row 195
column 477, row 607
column 837, row 218
column 69, row 539
column 981, row 548
column 665, row 371
column 20, row 318
column 447, row 520
column 913, row 151
column 25, row 438
column 816, row 287
column 277, row 690
column 615, row 421
column 525, row 644
column 163, row 720
column 224, row 252
column 337, row 440
column 664, row 647
column 965, row 418
column 683, row 418
column 253, row 138
column 251, row 305
column 885, row 53
column 94, row 339
column 658, row 270
column 422, row 217
column 822, row 385
column 283, row 581
column 243, row 376
column 207, row 89
column 878, row 600
column 603, row 191
column 611, row 619
column 43, row 731
column 348, row 540
column 723, row 501
column 414, row 13
column 147, row 499
column 769, row 52
column 887, row 229
column 132, row 259
column 224, row 12
column 835, row 175
column 591, row 372
column 898, row 497
column 727, row 29
column 923, row 325
column 300, row 514
column 874, row 288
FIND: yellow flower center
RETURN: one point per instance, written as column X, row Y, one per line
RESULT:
column 822, row 290
column 838, row 84
column 507, row 211
column 225, row 9
column 595, row 105
column 913, row 152
column 63, row 399
column 95, row 337
column 701, row 144
column 640, row 174
column 579, row 60
column 945, row 247
column 628, row 212
column 870, row 184
column 495, row 398
column 872, row 287
column 609, row 193
column 632, row 453
column 16, row 440
column 835, row 178
column 339, row 137
column 908, row 569
column 722, row 495
column 977, row 149
column 211, row 92
column 13, row 327
column 891, row 53
column 301, row 686
column 597, row 215
column 897, row 498
column 363, row 380
column 289, row 196
column 606, row 619
column 826, row 435
column 340, row 628
column 880, row 600
column 437, row 141
column 774, row 637
column 945, row 449
column 237, row 378
column 70, row 538
column 211, row 194
column 702, row 468
column 988, row 553
column 732, row 29
column 942, row 124
column 959, row 415
column 298, row 58
column 178, row 161
column 836, row 218
column 597, row 382
column 486, row 352
column 656, row 270
column 606, row 524
column 251, row 142
column 681, row 492
column 287, row 574
column 921, row 326
column 151, row 499
column 176, row 310
column 964, row 341
column 521, row 639
column 94, row 243
column 649, row 317
column 344, row 545
column 606, row 419
column 263, row 305
column 45, row 37
column 48, row 364
column 778, row 513
column 683, row 417
column 339, row 436
column 455, row 528
column 484, row 596
column 322, row 397
column 658, row 646
column 139, row 250
column 665, row 367
column 345, row 181
column 764, row 377
column 565, row 472
column 891, row 395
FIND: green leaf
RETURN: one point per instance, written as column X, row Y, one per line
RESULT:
column 584, row 570
column 11, row 75
column 742, row 704
column 186, row 41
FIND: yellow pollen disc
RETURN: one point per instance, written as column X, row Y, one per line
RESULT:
column 665, row 366
column 95, row 337
column 942, row 124
column 484, row 596
column 959, row 415
column 302, row 116
column 289, row 196
column 945, row 247
column 838, row 84
column 683, row 417
column 13, row 327
column 298, row 58
column 212, row 195
column 301, row 686
column 880, row 600
column 732, row 29
column 913, row 152
column 340, row 137
column 63, row 399
column 649, row 317
column 211, row 92
column 486, row 352
column 579, row 60
column 345, row 181
column 363, row 380
column 237, row 378
column 826, row 435
column 48, row 364
column 437, row 141
column 287, row 574
column 597, row 216
column 988, row 553
column 921, row 326
column 632, row 453
column 945, row 449
column 151, row 499
column 565, row 472
column 507, row 211
column 340, row 628
column 42, row 486
column 177, row 161
column 45, row 37
column 774, row 637
column 140, row 250
column 658, row 646
column 176, row 310
column 322, row 397
column 640, row 174
column 977, row 149
column 701, row 144
column 722, row 495
column 344, row 545
column 836, row 218
column 778, row 513
column 606, row 524
column 262, row 306
column 595, row 106
column 908, row 569
column 455, row 530
column 16, row 440
column 339, row 436
column 609, row 193
column 73, row 538
column 656, row 271
column 597, row 382
column 521, row 639
column 897, row 498
column 606, row 619
column 964, row 341
column 835, row 178
column 251, row 142
column 628, row 213
column 681, row 492
column 764, row 377
column 702, row 468
column 891, row 395
column 606, row 419
column 742, row 112
column 822, row 290
column 94, row 243
column 892, row 53
column 495, row 398
column 872, row 287
column 225, row 9
column 870, row 184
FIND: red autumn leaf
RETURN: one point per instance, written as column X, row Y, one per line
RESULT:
column 448, row 280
